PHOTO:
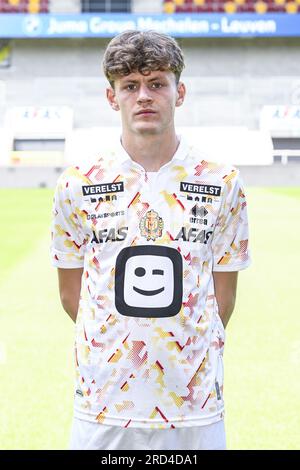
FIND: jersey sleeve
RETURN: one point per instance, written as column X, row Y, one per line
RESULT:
column 231, row 235
column 67, row 238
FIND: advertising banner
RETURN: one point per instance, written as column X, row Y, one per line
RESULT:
column 177, row 25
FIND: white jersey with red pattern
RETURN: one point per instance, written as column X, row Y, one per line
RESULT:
column 149, row 338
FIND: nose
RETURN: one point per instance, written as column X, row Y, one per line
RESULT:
column 144, row 95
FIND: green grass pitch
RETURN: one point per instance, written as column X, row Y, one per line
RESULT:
column 262, row 351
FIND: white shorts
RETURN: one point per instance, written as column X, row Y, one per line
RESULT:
column 94, row 436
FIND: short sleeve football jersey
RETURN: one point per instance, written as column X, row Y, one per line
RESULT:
column 149, row 338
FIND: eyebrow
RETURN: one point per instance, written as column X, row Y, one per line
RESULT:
column 136, row 81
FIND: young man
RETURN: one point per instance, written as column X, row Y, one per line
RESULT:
column 148, row 243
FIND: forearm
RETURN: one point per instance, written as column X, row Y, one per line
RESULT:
column 70, row 306
column 225, row 292
column 69, row 289
column 225, row 310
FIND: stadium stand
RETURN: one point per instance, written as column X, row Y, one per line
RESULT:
column 169, row 6
column 24, row 6
column 243, row 97
column 64, row 6
column 232, row 6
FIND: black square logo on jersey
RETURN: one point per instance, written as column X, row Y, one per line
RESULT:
column 148, row 281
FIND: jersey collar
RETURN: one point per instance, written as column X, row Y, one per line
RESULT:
column 180, row 154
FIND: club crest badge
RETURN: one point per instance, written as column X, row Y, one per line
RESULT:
column 151, row 225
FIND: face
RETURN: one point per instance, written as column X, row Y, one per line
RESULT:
column 148, row 281
column 147, row 102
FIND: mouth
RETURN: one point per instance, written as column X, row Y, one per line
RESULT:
column 145, row 112
column 148, row 292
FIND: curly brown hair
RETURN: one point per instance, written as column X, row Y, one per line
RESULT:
column 143, row 52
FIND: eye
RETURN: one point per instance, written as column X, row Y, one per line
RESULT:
column 156, row 85
column 140, row 272
column 130, row 87
column 158, row 271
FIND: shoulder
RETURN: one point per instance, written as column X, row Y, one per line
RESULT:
column 209, row 166
column 69, row 180
column 79, row 175
column 90, row 170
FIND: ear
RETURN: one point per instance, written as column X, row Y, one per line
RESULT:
column 181, row 91
column 111, row 98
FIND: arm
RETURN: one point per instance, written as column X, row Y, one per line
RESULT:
column 225, row 291
column 69, row 288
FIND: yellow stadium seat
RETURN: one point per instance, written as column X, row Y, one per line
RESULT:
column 279, row 2
column 230, row 7
column 261, row 7
column 179, row 3
column 33, row 8
column 240, row 2
column 169, row 7
column 14, row 3
column 291, row 7
column 199, row 3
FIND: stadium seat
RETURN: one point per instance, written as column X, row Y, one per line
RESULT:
column 169, row 7
column 230, row 7
column 260, row 6
column 291, row 6
column 203, row 9
column 218, row 7
column 276, row 8
column 38, row 6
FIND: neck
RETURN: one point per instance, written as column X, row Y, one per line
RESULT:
column 150, row 151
